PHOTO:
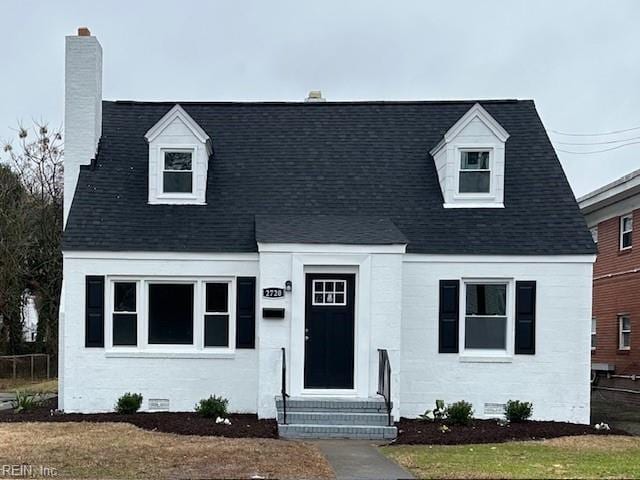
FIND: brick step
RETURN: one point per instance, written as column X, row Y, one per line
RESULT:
column 362, row 432
column 333, row 404
column 334, row 418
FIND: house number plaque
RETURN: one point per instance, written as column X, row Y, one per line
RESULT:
column 273, row 292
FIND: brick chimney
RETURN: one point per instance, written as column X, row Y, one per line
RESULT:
column 82, row 107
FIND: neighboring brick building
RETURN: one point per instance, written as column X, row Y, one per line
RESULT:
column 613, row 215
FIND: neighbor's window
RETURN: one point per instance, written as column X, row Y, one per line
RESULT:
column 475, row 172
column 594, row 234
column 626, row 232
column 485, row 325
column 593, row 333
column 125, row 314
column 216, row 317
column 177, row 173
column 624, row 324
column 329, row 292
column 171, row 313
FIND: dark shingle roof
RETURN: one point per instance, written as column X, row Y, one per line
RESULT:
column 344, row 159
column 354, row 230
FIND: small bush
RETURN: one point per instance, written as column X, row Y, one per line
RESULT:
column 25, row 401
column 517, row 411
column 460, row 413
column 212, row 407
column 129, row 403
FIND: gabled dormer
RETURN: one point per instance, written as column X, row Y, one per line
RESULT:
column 470, row 161
column 179, row 151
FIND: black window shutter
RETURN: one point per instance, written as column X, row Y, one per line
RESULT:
column 94, row 313
column 525, row 318
column 449, row 316
column 246, row 312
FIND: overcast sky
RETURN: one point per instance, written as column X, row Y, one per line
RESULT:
column 579, row 60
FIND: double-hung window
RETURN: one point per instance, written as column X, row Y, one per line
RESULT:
column 485, row 320
column 626, row 232
column 177, row 171
column 594, row 339
column 475, row 172
column 125, row 313
column 624, row 329
column 216, row 317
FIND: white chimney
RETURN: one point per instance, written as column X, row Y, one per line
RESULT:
column 315, row 96
column 82, row 107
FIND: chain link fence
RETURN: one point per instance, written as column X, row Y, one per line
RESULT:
column 36, row 366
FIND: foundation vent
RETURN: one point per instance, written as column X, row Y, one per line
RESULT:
column 159, row 404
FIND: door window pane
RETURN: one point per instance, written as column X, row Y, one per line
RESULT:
column 329, row 292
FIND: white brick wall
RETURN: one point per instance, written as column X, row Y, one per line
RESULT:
column 91, row 380
column 555, row 379
column 397, row 309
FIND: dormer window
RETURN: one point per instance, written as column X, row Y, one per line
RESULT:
column 475, row 172
column 177, row 175
column 470, row 161
column 179, row 151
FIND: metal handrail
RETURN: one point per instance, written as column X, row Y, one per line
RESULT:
column 384, row 380
column 283, row 389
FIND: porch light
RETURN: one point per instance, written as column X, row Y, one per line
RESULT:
column 287, row 286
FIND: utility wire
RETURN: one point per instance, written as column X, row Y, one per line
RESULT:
column 613, row 132
column 598, row 151
column 599, row 143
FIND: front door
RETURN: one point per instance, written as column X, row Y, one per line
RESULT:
column 329, row 331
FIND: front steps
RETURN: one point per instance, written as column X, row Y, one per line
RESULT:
column 335, row 418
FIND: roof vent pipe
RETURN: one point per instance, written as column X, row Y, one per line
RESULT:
column 315, row 96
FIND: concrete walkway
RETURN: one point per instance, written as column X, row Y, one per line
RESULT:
column 359, row 460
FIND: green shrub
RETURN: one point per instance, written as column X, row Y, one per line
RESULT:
column 212, row 407
column 25, row 401
column 460, row 413
column 517, row 411
column 129, row 403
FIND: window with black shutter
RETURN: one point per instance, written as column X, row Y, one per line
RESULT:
column 94, row 311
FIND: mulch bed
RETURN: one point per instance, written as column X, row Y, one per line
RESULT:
column 182, row 423
column 416, row 432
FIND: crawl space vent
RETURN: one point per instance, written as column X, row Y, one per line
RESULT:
column 494, row 409
column 158, row 404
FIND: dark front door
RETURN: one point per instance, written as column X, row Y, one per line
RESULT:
column 329, row 331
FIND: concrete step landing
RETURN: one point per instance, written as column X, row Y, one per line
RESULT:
column 317, row 418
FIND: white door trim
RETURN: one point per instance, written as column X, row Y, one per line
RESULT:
column 360, row 265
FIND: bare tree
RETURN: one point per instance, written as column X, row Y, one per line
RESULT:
column 38, row 164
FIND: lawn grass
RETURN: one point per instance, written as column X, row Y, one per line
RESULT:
column 37, row 386
column 568, row 457
column 110, row 450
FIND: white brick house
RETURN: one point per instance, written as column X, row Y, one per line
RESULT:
column 203, row 240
